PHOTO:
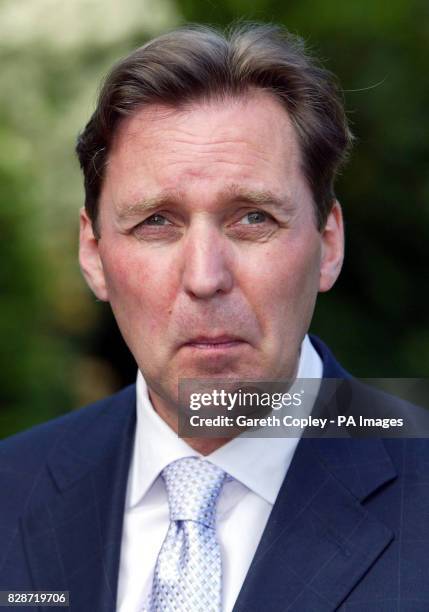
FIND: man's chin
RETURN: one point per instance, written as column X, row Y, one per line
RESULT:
column 214, row 369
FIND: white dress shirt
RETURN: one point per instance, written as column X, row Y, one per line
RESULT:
column 258, row 467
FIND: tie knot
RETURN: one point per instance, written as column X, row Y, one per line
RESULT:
column 193, row 487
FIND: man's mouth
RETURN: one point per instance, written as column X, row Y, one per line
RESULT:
column 214, row 342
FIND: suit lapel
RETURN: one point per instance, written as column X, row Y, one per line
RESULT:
column 72, row 530
column 319, row 540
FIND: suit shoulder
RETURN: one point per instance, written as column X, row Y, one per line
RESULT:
column 408, row 446
column 29, row 448
column 373, row 403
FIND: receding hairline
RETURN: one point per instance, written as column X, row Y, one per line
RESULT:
column 159, row 110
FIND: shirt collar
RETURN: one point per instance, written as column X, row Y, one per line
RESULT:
column 258, row 463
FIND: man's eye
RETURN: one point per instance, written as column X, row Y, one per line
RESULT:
column 155, row 220
column 254, row 217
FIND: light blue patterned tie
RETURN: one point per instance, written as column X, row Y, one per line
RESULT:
column 187, row 575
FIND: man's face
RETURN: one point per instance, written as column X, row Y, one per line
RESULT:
column 209, row 252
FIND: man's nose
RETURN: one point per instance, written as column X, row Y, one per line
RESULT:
column 207, row 262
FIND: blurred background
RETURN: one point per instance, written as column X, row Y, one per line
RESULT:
column 60, row 348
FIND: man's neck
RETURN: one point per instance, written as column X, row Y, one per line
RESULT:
column 169, row 415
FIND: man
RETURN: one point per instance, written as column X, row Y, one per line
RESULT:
column 210, row 225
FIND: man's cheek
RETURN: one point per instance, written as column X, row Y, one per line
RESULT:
column 125, row 280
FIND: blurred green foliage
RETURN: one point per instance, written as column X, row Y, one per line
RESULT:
column 61, row 349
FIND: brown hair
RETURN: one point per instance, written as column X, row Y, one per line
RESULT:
column 197, row 62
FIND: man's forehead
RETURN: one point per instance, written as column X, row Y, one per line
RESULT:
column 142, row 121
column 154, row 162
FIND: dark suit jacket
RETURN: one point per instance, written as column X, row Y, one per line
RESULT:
column 349, row 530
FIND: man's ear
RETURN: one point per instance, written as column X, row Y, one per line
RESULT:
column 332, row 248
column 89, row 258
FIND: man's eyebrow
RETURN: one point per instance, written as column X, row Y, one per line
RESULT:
column 145, row 205
column 232, row 194
column 258, row 197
